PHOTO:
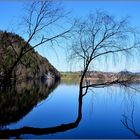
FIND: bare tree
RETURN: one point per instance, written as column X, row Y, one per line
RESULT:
column 41, row 18
column 100, row 35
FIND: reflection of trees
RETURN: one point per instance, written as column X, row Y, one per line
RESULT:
column 6, row 133
column 17, row 101
column 128, row 122
column 40, row 131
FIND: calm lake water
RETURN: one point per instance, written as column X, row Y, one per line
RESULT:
column 111, row 112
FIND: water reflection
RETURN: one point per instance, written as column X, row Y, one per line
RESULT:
column 19, row 100
column 7, row 133
column 129, row 122
column 109, row 105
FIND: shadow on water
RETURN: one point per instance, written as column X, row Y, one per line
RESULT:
column 26, row 103
column 18, row 100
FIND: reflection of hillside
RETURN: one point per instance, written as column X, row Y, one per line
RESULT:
column 16, row 133
column 17, row 101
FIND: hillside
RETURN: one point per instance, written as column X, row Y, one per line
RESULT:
column 32, row 65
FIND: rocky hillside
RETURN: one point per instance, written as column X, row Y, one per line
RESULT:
column 32, row 65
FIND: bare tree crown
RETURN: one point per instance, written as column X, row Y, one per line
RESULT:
column 99, row 35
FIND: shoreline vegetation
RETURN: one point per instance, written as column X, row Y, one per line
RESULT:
column 99, row 76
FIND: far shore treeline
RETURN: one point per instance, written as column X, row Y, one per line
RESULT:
column 102, row 76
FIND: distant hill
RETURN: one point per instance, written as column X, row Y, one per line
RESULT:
column 32, row 65
column 104, row 76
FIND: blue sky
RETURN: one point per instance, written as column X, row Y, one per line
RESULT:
column 11, row 11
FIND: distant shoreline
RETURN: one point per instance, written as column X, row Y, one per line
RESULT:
column 103, row 76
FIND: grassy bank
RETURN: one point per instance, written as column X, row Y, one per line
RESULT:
column 70, row 76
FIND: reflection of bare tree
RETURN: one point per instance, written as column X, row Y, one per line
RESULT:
column 6, row 133
column 128, row 122
column 40, row 131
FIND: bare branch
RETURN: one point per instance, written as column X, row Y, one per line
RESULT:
column 101, row 35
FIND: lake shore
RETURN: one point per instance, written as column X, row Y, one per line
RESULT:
column 99, row 76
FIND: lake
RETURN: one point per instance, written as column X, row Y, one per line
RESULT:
column 38, row 110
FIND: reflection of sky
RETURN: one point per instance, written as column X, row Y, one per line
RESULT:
column 101, row 114
column 10, row 11
column 54, row 110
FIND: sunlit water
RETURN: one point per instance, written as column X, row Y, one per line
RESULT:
column 104, row 110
